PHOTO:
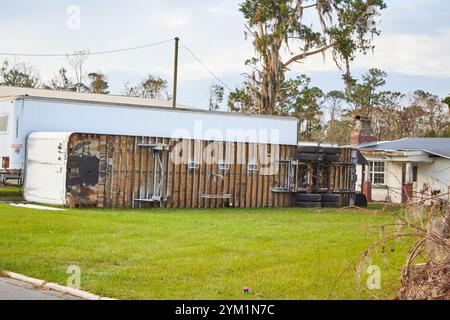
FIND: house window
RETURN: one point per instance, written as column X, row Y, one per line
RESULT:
column 377, row 172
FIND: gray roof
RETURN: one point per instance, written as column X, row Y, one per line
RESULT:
column 22, row 93
column 435, row 146
column 8, row 92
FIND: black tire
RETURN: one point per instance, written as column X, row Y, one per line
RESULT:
column 300, row 197
column 309, row 157
column 331, row 157
column 330, row 197
column 309, row 149
column 308, row 204
column 360, row 200
column 331, row 150
column 331, row 204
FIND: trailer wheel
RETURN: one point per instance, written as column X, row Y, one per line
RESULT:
column 300, row 197
column 309, row 157
column 308, row 204
column 360, row 200
column 331, row 157
column 330, row 197
column 309, row 149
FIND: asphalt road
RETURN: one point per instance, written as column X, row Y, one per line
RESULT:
column 15, row 290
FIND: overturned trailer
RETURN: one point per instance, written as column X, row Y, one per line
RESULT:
column 23, row 111
column 114, row 171
column 121, row 152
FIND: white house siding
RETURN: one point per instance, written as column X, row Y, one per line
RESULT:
column 436, row 175
column 392, row 178
column 391, row 190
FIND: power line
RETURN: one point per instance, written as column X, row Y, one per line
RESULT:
column 206, row 68
column 93, row 53
column 104, row 52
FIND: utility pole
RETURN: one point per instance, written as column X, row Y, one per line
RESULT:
column 175, row 74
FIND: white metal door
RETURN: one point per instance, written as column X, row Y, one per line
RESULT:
column 45, row 174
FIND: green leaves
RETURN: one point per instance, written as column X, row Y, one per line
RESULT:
column 99, row 83
column 152, row 87
column 19, row 75
column 291, row 26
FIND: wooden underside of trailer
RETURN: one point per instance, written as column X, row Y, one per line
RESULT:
column 134, row 172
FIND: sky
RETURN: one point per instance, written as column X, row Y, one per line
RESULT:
column 413, row 48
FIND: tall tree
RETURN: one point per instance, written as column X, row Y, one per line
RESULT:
column 61, row 82
column 77, row 61
column 386, row 116
column 447, row 101
column 152, row 87
column 303, row 102
column 240, row 100
column 436, row 116
column 410, row 119
column 19, row 75
column 98, row 83
column 278, row 26
column 215, row 96
column 447, row 131
column 310, row 115
column 335, row 100
column 366, row 95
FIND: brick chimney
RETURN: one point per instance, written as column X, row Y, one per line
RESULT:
column 362, row 132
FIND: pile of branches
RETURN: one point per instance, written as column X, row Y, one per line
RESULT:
column 427, row 221
column 431, row 225
column 428, row 281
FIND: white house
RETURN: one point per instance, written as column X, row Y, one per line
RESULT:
column 408, row 168
column 404, row 169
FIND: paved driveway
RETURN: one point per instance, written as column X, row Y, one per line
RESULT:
column 15, row 290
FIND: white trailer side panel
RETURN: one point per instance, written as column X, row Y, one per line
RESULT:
column 42, row 115
column 7, row 126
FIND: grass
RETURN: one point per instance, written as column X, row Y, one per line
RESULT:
column 199, row 254
column 11, row 193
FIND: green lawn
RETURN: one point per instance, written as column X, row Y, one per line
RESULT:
column 11, row 193
column 198, row 254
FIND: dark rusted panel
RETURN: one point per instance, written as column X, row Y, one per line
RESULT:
column 83, row 170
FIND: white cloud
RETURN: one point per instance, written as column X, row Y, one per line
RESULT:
column 413, row 54
column 215, row 10
column 415, row 39
column 176, row 21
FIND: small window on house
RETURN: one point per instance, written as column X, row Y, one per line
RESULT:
column 377, row 172
column 3, row 123
column 415, row 170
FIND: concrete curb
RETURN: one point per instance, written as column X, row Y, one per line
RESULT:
column 41, row 284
